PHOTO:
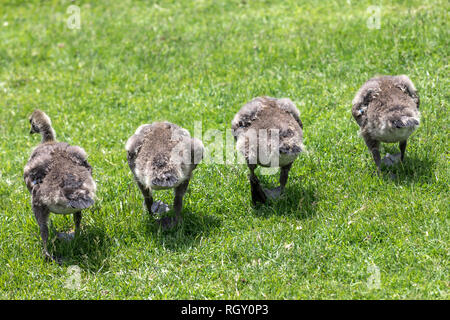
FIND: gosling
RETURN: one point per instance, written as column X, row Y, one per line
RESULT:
column 386, row 109
column 162, row 155
column 58, row 177
column 269, row 133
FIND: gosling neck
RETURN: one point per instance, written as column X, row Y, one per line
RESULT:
column 48, row 134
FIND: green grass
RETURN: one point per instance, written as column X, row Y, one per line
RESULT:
column 134, row 62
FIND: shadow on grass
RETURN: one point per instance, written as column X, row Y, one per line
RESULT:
column 412, row 169
column 298, row 201
column 89, row 250
column 189, row 233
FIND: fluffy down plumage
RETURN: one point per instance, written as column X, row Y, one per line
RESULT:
column 162, row 155
column 268, row 131
column 387, row 108
column 59, row 177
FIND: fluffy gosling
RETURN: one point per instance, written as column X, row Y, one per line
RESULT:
column 269, row 133
column 58, row 177
column 162, row 155
column 387, row 110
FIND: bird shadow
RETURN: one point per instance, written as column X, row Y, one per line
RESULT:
column 412, row 169
column 299, row 201
column 88, row 250
column 188, row 233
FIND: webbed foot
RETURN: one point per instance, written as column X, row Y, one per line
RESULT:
column 391, row 159
column 159, row 207
column 274, row 193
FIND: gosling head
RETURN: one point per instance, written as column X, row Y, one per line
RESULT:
column 41, row 123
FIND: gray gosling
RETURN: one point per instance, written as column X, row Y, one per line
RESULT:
column 162, row 155
column 269, row 133
column 386, row 109
column 58, row 177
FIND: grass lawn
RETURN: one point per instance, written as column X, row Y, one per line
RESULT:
column 339, row 232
